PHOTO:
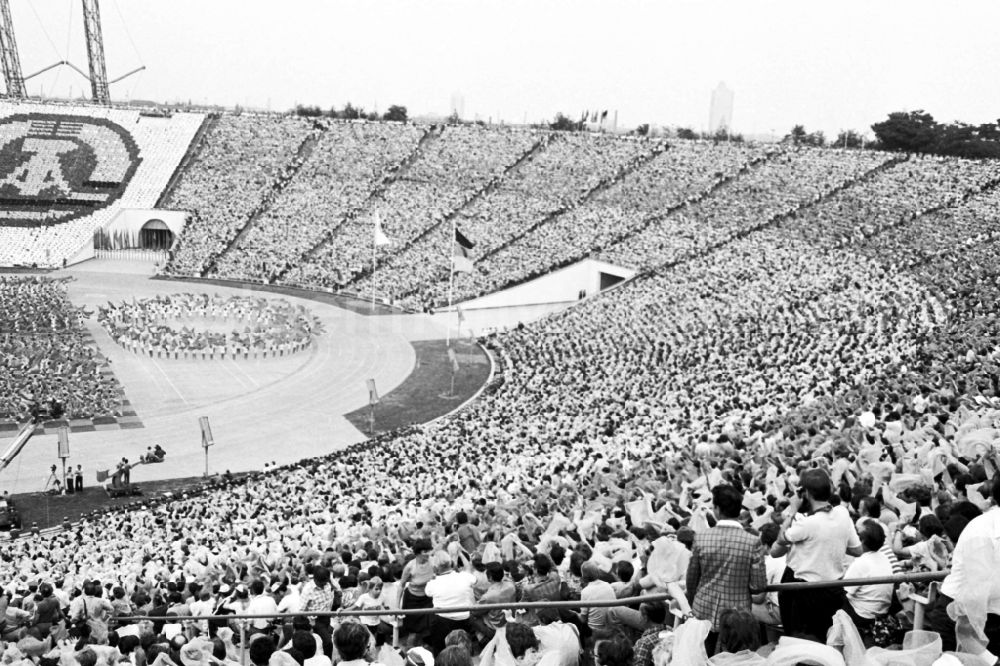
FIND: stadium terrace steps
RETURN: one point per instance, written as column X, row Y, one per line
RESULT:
column 426, row 139
column 570, row 169
column 193, row 150
column 227, row 179
column 717, row 189
column 782, row 216
column 490, row 186
column 350, row 162
column 302, row 155
column 561, row 262
column 778, row 218
column 601, row 186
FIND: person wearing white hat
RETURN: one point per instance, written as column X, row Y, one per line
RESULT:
column 419, row 656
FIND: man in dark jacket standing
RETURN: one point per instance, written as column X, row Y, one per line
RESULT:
column 727, row 564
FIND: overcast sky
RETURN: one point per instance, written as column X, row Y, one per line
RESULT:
column 828, row 66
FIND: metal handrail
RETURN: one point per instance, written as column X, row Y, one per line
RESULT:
column 922, row 577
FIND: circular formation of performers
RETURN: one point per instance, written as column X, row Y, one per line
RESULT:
column 198, row 324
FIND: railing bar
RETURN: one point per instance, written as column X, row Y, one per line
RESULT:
column 922, row 577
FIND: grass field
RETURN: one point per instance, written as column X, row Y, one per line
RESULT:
column 427, row 393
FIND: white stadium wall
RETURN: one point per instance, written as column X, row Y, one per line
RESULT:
column 68, row 170
column 130, row 221
column 565, row 285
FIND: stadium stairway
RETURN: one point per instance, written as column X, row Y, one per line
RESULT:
column 429, row 136
column 773, row 220
column 954, row 203
column 723, row 182
column 491, row 185
column 745, row 168
column 781, row 216
column 192, row 152
column 582, row 199
column 292, row 169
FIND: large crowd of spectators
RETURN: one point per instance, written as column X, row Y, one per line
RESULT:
column 243, row 162
column 46, row 355
column 800, row 385
column 349, row 161
column 809, row 391
column 456, row 163
column 552, row 182
column 637, row 233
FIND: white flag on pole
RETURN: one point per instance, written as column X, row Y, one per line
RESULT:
column 380, row 237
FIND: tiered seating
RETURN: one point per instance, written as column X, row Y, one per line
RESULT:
column 901, row 193
column 554, row 180
column 780, row 186
column 821, row 311
column 446, row 175
column 684, row 172
column 239, row 165
column 32, row 231
column 348, row 163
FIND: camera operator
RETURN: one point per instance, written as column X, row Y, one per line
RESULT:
column 816, row 543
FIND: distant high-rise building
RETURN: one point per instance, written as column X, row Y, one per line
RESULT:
column 458, row 104
column 720, row 115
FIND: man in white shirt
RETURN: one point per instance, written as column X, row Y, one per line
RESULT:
column 449, row 588
column 816, row 545
column 204, row 606
column 291, row 600
column 598, row 619
column 972, row 589
column 260, row 604
column 865, row 603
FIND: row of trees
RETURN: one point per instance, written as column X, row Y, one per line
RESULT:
column 351, row 112
column 914, row 132
column 909, row 131
column 799, row 136
column 918, row 132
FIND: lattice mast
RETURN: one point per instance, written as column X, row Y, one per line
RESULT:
column 95, row 51
column 8, row 53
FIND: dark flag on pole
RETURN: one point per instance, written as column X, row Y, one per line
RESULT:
column 462, row 258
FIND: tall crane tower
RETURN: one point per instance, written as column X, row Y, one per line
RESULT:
column 95, row 51
column 8, row 54
column 98, row 78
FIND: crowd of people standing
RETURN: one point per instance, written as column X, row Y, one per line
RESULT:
column 46, row 354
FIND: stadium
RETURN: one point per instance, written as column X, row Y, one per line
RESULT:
column 641, row 398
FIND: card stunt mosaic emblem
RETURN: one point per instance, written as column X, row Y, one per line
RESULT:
column 56, row 168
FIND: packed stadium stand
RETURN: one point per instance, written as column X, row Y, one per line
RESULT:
column 242, row 162
column 805, row 323
column 348, row 162
column 66, row 170
column 456, row 165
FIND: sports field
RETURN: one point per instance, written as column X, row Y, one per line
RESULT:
column 261, row 411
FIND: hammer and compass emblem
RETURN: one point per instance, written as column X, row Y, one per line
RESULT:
column 56, row 168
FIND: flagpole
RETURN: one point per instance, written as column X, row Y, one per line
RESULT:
column 374, row 250
column 451, row 276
